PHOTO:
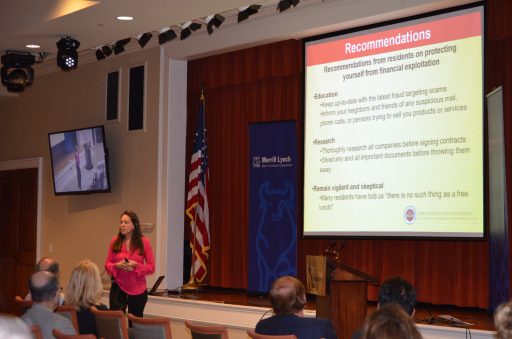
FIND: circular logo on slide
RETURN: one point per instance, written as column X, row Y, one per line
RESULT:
column 409, row 215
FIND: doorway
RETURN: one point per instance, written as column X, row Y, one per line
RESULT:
column 20, row 201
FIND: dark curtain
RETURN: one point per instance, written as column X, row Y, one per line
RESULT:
column 265, row 84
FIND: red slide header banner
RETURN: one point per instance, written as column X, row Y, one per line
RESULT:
column 449, row 29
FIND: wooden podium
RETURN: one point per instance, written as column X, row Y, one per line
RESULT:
column 345, row 301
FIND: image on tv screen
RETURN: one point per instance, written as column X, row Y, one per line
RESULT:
column 79, row 161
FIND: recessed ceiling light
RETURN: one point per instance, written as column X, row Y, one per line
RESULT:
column 32, row 46
column 125, row 18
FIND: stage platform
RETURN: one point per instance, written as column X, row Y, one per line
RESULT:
column 240, row 311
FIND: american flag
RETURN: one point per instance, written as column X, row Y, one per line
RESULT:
column 197, row 198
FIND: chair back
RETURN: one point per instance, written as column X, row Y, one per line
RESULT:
column 252, row 334
column 36, row 332
column 23, row 304
column 151, row 328
column 70, row 313
column 59, row 335
column 111, row 324
column 207, row 331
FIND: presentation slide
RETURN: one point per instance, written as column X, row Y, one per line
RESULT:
column 393, row 130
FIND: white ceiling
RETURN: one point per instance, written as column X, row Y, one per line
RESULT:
column 94, row 23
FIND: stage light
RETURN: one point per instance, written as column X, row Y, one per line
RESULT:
column 166, row 35
column 16, row 73
column 119, row 45
column 187, row 28
column 107, row 50
column 143, row 39
column 99, row 54
column 67, row 55
column 283, row 5
column 245, row 12
column 214, row 20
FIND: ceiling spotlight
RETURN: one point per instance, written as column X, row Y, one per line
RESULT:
column 99, row 54
column 67, row 56
column 283, row 5
column 143, row 39
column 166, row 35
column 16, row 73
column 245, row 12
column 107, row 50
column 124, row 18
column 118, row 46
column 187, row 28
column 214, row 20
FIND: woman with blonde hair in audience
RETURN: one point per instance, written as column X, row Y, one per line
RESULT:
column 390, row 322
column 83, row 291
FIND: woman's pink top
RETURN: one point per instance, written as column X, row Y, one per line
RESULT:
column 133, row 282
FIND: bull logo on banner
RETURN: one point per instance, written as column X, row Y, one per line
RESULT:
column 275, row 250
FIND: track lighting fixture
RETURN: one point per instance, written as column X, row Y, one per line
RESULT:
column 166, row 35
column 118, row 46
column 143, row 39
column 67, row 55
column 107, row 50
column 187, row 28
column 16, row 73
column 99, row 54
column 283, row 5
column 245, row 12
column 213, row 20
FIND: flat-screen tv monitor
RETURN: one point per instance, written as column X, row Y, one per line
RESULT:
column 394, row 129
column 79, row 161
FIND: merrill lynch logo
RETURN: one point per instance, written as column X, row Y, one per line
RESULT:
column 273, row 161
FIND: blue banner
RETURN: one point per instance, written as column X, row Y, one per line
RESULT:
column 499, row 273
column 272, row 203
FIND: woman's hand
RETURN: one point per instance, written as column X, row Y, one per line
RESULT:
column 130, row 265
column 126, row 265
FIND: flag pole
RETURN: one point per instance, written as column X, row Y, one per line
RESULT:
column 192, row 285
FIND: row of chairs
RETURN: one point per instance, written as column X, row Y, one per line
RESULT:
column 113, row 325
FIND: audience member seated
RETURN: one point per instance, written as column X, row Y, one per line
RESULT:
column 44, row 287
column 49, row 265
column 395, row 290
column 503, row 320
column 288, row 299
column 13, row 328
column 390, row 322
column 83, row 291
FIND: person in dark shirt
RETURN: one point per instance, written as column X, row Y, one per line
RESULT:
column 83, row 291
column 394, row 290
column 390, row 322
column 288, row 299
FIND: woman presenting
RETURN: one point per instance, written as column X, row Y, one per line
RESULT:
column 130, row 258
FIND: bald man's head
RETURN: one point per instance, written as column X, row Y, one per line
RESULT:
column 43, row 286
column 48, row 264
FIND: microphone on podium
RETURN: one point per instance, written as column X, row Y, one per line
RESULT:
column 328, row 250
column 332, row 252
